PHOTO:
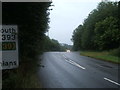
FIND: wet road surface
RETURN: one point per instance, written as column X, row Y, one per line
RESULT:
column 71, row 70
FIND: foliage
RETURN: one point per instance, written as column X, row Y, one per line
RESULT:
column 32, row 19
column 76, row 38
column 66, row 47
column 107, row 33
column 52, row 45
column 100, row 30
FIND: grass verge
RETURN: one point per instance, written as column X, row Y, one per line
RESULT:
column 23, row 77
column 104, row 55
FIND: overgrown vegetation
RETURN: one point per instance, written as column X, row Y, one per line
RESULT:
column 100, row 30
column 23, row 77
column 32, row 20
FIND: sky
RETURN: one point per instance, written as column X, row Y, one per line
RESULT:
column 66, row 16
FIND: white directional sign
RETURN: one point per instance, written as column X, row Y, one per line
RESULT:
column 9, row 46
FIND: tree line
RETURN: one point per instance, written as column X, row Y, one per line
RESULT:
column 52, row 45
column 100, row 30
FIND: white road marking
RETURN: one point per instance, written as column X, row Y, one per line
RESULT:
column 72, row 62
column 112, row 81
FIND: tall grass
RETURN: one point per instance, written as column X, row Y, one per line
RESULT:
column 23, row 77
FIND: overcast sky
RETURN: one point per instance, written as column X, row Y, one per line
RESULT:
column 67, row 15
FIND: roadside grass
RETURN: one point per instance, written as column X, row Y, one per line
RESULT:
column 103, row 55
column 23, row 77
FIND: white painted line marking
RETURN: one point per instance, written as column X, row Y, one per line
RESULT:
column 112, row 81
column 72, row 62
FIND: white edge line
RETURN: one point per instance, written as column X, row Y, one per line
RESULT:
column 112, row 81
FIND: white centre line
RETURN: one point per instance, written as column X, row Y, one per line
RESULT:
column 72, row 62
column 112, row 81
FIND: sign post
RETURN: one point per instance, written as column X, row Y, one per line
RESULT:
column 9, row 47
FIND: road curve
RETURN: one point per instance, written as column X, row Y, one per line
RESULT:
column 71, row 70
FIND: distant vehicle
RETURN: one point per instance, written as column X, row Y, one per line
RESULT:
column 67, row 50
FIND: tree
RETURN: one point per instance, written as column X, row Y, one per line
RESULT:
column 76, row 38
column 52, row 45
column 100, row 29
column 107, row 33
column 32, row 20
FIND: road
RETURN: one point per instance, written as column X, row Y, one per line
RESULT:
column 71, row 70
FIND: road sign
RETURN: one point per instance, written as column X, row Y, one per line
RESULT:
column 9, row 46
